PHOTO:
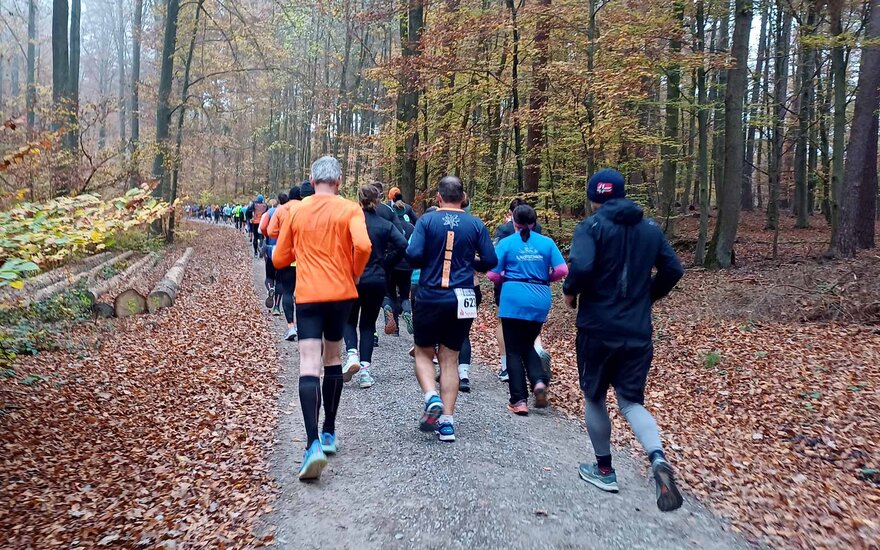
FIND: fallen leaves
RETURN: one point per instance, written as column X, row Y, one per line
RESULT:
column 159, row 436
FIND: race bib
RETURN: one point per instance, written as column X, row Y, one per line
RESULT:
column 467, row 303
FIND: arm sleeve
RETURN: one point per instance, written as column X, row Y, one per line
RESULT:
column 264, row 223
column 558, row 267
column 488, row 258
column 415, row 252
column 360, row 239
column 396, row 248
column 494, row 274
column 283, row 254
column 669, row 271
column 275, row 223
column 581, row 260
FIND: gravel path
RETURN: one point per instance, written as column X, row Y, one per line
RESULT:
column 507, row 481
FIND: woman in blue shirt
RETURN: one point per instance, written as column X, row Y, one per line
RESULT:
column 527, row 263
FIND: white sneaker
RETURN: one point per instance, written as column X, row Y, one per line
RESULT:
column 352, row 366
column 365, row 380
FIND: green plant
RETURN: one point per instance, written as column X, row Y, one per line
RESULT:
column 712, row 359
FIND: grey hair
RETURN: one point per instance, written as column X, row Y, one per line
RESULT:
column 326, row 170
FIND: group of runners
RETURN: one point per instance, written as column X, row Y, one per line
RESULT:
column 333, row 265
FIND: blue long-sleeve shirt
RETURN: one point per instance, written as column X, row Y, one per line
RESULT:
column 448, row 245
column 612, row 257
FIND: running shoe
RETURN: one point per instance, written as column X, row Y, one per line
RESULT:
column 668, row 496
column 352, row 366
column 502, row 375
column 276, row 311
column 592, row 475
column 433, row 410
column 464, row 385
column 328, row 443
column 520, row 408
column 390, row 324
column 365, row 380
column 407, row 320
column 542, row 399
column 314, row 460
column 446, row 432
column 291, row 334
column 270, row 299
column 546, row 364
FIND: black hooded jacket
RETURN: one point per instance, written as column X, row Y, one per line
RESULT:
column 612, row 256
column 389, row 246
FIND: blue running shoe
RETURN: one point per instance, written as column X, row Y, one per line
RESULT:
column 313, row 462
column 433, row 410
column 591, row 474
column 446, row 432
column 328, row 443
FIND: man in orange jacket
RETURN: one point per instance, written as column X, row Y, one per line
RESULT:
column 327, row 236
column 286, row 277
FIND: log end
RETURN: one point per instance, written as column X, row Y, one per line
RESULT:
column 159, row 299
column 129, row 302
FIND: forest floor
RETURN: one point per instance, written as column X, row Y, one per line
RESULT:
column 765, row 386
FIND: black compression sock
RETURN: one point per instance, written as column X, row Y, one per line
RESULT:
column 310, row 401
column 655, row 455
column 604, row 463
column 332, row 391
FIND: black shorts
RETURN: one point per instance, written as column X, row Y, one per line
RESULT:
column 437, row 324
column 624, row 365
column 322, row 320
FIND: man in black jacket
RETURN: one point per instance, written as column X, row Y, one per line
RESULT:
column 612, row 257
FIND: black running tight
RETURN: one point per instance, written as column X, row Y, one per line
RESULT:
column 366, row 307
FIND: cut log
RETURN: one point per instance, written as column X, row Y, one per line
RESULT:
column 64, row 284
column 43, row 280
column 129, row 302
column 99, row 289
column 165, row 292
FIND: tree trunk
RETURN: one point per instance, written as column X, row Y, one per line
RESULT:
column 411, row 26
column 748, row 198
column 165, row 291
column 730, row 200
column 73, row 80
column 163, row 111
column 780, row 96
column 838, row 76
column 537, row 100
column 31, row 94
column 718, row 116
column 120, row 60
column 703, row 139
column 862, row 130
column 134, row 102
column 868, row 192
column 805, row 99
column 670, row 148
column 514, row 92
column 60, row 59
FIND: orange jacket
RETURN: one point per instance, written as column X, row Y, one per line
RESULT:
column 326, row 235
column 277, row 220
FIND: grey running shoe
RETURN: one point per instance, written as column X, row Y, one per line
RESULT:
column 291, row 334
column 591, row 474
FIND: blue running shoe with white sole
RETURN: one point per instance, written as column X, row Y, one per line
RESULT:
column 328, row 443
column 446, row 432
column 314, row 461
column 592, row 475
column 433, row 410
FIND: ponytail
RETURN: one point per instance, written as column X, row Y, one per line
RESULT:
column 524, row 218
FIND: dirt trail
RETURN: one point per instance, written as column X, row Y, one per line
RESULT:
column 507, row 481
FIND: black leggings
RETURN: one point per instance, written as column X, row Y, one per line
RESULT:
column 367, row 306
column 257, row 238
column 464, row 356
column 285, row 280
column 270, row 273
column 397, row 294
column 522, row 359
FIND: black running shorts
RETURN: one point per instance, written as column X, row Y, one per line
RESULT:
column 437, row 324
column 322, row 320
column 624, row 365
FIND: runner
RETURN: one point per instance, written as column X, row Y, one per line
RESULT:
column 612, row 255
column 397, row 302
column 286, row 277
column 388, row 247
column 527, row 263
column 274, row 299
column 403, row 210
column 414, row 285
column 327, row 236
column 502, row 232
column 448, row 245
column 254, row 214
